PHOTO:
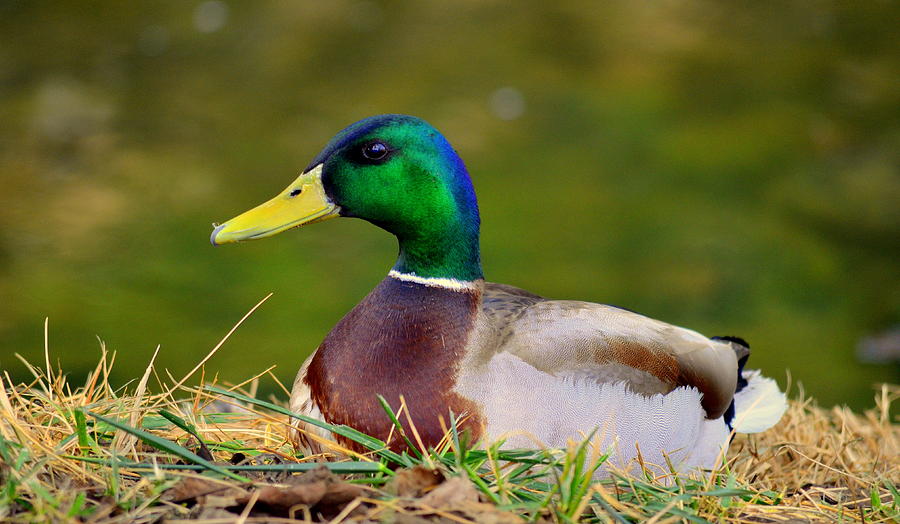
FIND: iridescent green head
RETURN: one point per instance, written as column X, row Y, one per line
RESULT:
column 398, row 173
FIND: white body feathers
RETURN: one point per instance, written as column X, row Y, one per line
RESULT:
column 759, row 405
column 537, row 410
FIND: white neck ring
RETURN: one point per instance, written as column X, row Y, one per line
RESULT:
column 446, row 283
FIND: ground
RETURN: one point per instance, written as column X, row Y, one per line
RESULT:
column 211, row 454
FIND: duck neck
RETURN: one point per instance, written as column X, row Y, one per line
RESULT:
column 448, row 252
column 439, row 236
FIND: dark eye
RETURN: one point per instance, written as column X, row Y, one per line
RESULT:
column 375, row 150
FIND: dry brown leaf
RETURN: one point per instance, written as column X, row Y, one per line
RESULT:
column 219, row 501
column 193, row 488
column 339, row 493
column 212, row 513
column 485, row 513
column 318, row 487
column 413, row 482
column 454, row 492
column 318, row 474
column 308, row 494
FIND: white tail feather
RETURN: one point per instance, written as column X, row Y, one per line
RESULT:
column 758, row 406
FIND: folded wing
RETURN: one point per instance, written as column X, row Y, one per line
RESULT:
column 610, row 344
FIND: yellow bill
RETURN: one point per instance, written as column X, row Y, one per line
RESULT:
column 303, row 202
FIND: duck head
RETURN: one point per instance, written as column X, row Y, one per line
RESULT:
column 395, row 171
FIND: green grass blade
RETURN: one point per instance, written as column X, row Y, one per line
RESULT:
column 189, row 429
column 727, row 492
column 343, row 468
column 81, row 429
column 370, row 443
column 77, row 504
column 688, row 516
column 169, row 447
column 895, row 494
column 180, row 422
column 610, row 512
column 459, row 450
column 482, row 485
column 390, row 413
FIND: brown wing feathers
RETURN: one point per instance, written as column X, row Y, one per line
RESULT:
column 581, row 335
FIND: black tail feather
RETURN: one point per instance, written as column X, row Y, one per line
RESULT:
column 742, row 351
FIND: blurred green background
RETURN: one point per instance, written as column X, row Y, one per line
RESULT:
column 728, row 167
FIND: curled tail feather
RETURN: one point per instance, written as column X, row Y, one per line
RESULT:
column 759, row 405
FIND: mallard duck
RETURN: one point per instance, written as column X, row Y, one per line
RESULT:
column 518, row 366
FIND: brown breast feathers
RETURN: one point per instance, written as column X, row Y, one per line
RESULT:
column 404, row 339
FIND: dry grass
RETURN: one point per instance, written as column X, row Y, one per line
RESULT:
column 61, row 463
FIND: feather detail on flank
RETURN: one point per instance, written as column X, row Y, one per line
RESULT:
column 446, row 283
column 759, row 405
column 673, row 424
